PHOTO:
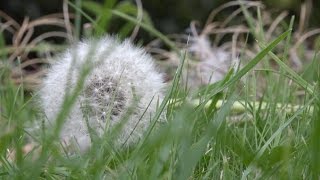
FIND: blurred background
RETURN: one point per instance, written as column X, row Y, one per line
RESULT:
column 32, row 31
column 168, row 16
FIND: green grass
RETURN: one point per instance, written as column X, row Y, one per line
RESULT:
column 199, row 141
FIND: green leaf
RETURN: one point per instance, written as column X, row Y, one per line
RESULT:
column 130, row 9
column 252, row 63
column 148, row 28
column 92, row 7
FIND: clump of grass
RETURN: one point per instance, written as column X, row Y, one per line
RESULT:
column 28, row 52
column 197, row 141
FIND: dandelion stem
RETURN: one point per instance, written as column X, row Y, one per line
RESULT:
column 240, row 106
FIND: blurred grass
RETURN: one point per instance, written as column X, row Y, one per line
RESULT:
column 197, row 142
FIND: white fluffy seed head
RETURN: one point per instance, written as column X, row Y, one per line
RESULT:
column 213, row 63
column 123, row 76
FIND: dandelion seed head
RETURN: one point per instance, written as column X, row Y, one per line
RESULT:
column 213, row 62
column 121, row 74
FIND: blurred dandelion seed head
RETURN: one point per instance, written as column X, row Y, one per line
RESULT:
column 122, row 76
column 213, row 63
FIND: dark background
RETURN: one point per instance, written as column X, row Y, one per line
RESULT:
column 168, row 16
